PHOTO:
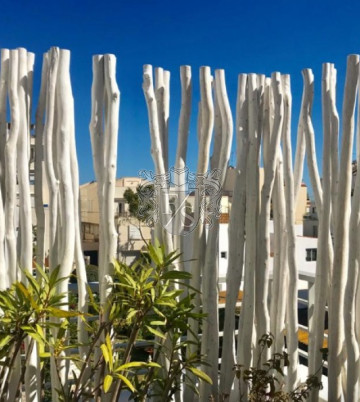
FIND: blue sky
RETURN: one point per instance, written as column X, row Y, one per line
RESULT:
column 239, row 36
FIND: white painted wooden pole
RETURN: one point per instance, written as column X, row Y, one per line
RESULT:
column 351, row 335
column 49, row 139
column 341, row 248
column 180, row 159
column 354, row 260
column 300, row 153
column 10, row 184
column 65, row 116
column 81, row 277
column 160, row 106
column 97, row 145
column 268, row 119
column 324, row 255
column 104, row 149
column 162, row 95
column 292, row 312
column 334, row 146
column 210, row 340
column 357, row 301
column 105, row 105
column 4, row 82
column 158, row 111
column 156, row 148
column 38, row 165
column 246, row 327
column 112, row 103
column 281, row 266
column 278, row 278
column 159, row 91
column 4, row 79
column 217, row 137
column 166, row 117
column 205, row 129
column 262, row 266
column 32, row 373
column 10, row 162
column 260, row 78
column 25, row 227
column 316, row 335
column 30, row 82
column 310, row 138
column 236, row 239
column 205, row 125
column 274, row 285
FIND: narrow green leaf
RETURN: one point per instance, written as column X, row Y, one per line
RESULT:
column 4, row 341
column 54, row 276
column 155, row 332
column 147, row 273
column 131, row 281
column 155, row 254
column 131, row 314
column 40, row 331
column 56, row 312
column 107, row 383
column 105, row 353
column 92, row 299
column 172, row 257
column 173, row 294
column 27, row 328
column 156, row 323
column 158, row 312
column 42, row 273
column 153, row 364
column 136, row 364
column 166, row 302
column 176, row 275
column 36, row 337
column 200, row 374
column 7, row 302
column 109, row 348
column 126, row 382
column 113, row 311
column 33, row 283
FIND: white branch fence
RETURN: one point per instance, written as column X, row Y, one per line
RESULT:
column 263, row 139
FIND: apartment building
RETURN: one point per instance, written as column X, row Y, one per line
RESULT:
column 131, row 232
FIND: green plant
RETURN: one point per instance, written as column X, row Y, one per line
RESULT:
column 146, row 304
column 263, row 380
column 24, row 312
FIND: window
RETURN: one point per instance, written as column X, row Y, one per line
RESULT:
column 134, row 233
column 311, row 254
column 223, row 254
